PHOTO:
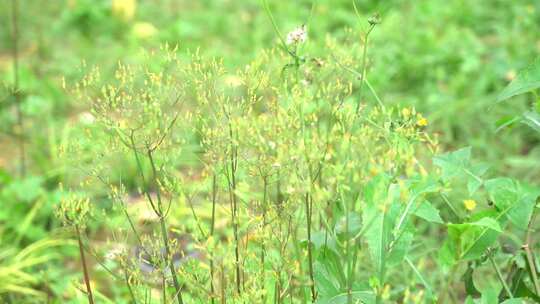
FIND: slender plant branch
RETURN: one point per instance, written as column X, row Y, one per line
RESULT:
column 263, row 249
column 308, row 203
column 212, row 227
column 530, row 256
column 16, row 91
column 363, row 68
column 231, row 178
column 276, row 29
column 85, row 269
column 500, row 276
column 419, row 275
column 164, row 230
column 126, row 278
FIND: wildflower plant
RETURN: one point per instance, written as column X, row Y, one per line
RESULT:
column 272, row 189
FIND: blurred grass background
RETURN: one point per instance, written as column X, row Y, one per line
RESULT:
column 448, row 59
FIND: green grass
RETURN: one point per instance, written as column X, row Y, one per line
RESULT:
column 256, row 158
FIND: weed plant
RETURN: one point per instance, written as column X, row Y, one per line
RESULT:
column 288, row 179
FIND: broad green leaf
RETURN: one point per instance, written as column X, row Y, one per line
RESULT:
column 400, row 249
column 518, row 287
column 489, row 296
column 514, row 301
column 516, row 200
column 453, row 164
column 325, row 282
column 526, row 81
column 457, row 164
column 505, row 122
column 417, row 189
column 381, row 211
column 328, row 274
column 469, row 300
column 532, row 119
column 323, row 240
column 423, row 185
column 427, row 212
column 469, row 241
column 477, row 239
column 448, row 253
column 474, row 174
column 487, row 222
column 354, row 225
column 363, row 297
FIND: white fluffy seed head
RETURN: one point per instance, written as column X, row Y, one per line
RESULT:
column 297, row 36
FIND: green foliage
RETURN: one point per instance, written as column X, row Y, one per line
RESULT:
column 268, row 167
column 526, row 81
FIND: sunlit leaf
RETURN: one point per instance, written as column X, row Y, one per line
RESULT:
column 515, row 199
column 526, row 81
column 427, row 212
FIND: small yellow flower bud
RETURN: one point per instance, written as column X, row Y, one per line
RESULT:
column 469, row 204
column 422, row 122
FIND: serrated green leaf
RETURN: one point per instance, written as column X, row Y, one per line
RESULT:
column 427, row 212
column 400, row 249
column 423, row 185
column 448, row 253
column 325, row 282
column 453, row 164
column 518, row 287
column 526, row 81
column 323, row 240
column 515, row 199
column 457, row 164
column 328, row 274
column 469, row 241
column 474, row 174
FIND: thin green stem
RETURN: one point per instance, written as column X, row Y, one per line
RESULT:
column 231, row 177
column 16, row 93
column 500, row 276
column 276, row 29
column 126, row 278
column 308, row 203
column 348, row 253
column 212, row 227
column 85, row 268
column 263, row 249
column 449, row 204
column 141, row 173
column 164, row 231
column 528, row 252
column 363, row 69
column 420, row 276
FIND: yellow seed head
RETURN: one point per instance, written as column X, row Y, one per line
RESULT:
column 406, row 112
